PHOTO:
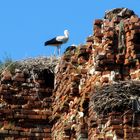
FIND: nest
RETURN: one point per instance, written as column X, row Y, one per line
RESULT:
column 39, row 63
column 36, row 65
column 121, row 12
column 115, row 97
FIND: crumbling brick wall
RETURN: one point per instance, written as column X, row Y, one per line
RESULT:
column 25, row 100
column 110, row 56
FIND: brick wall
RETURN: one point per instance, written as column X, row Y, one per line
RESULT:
column 110, row 56
column 25, row 105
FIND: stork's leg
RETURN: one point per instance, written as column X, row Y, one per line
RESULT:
column 58, row 49
column 55, row 52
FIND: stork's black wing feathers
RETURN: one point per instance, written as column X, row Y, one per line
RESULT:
column 52, row 42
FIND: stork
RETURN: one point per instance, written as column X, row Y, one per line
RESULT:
column 58, row 41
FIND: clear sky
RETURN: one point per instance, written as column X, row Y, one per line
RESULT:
column 26, row 24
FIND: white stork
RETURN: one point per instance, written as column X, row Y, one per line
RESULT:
column 58, row 41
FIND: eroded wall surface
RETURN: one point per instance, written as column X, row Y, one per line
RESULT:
column 96, row 96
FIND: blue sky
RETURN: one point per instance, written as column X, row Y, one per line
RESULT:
column 26, row 24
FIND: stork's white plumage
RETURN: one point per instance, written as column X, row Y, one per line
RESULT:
column 58, row 41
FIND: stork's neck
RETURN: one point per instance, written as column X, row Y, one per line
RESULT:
column 66, row 33
column 67, row 36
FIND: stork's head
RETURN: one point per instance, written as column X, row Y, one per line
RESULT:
column 66, row 33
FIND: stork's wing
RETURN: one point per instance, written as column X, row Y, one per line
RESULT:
column 61, row 39
column 53, row 42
